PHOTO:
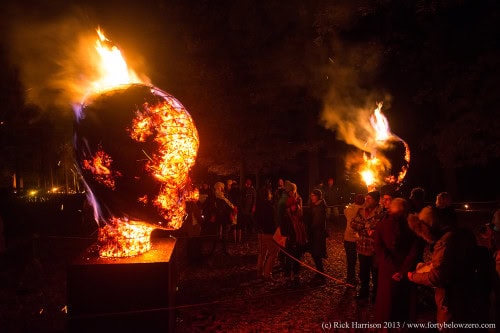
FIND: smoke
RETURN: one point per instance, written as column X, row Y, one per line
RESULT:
column 55, row 54
column 352, row 98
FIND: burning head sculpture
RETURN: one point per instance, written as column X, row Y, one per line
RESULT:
column 387, row 154
column 135, row 145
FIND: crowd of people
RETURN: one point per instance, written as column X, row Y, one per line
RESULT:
column 386, row 236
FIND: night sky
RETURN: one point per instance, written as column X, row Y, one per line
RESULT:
column 273, row 86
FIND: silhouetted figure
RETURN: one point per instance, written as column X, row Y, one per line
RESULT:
column 316, row 223
column 417, row 199
column 396, row 250
column 452, row 268
column 265, row 226
column 290, row 211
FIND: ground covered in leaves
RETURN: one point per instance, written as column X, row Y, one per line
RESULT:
column 223, row 293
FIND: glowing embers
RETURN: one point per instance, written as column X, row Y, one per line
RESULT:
column 121, row 238
column 173, row 131
column 135, row 145
column 100, row 167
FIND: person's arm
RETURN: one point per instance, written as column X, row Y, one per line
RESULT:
column 358, row 223
column 438, row 275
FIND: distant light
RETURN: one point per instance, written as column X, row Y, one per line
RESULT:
column 466, row 206
column 33, row 192
column 54, row 189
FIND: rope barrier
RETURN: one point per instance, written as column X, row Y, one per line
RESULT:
column 302, row 263
column 186, row 306
column 312, row 268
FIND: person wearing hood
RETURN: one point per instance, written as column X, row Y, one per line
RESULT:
column 495, row 236
column 451, row 270
column 317, row 233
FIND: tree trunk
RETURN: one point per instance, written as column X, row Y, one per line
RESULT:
column 450, row 179
column 243, row 171
column 313, row 168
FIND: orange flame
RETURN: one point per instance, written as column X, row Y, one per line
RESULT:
column 100, row 166
column 370, row 171
column 178, row 146
column 121, row 238
column 380, row 124
column 178, row 143
column 113, row 69
column 373, row 166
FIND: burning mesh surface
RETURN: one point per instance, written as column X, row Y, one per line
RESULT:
column 135, row 146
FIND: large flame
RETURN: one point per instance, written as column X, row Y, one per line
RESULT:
column 380, row 124
column 373, row 172
column 112, row 69
column 122, row 238
column 170, row 126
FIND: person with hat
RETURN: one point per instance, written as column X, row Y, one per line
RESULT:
column 317, row 233
column 364, row 223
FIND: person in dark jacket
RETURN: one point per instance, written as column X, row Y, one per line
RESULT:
column 452, row 269
column 266, row 226
column 317, row 233
column 396, row 251
column 221, row 211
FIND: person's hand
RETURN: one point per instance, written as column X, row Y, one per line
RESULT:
column 397, row 276
column 410, row 276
